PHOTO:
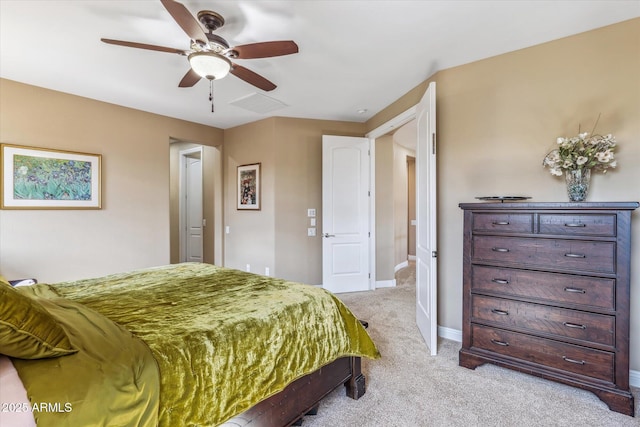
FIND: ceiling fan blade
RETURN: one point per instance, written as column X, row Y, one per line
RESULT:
column 265, row 49
column 144, row 46
column 185, row 19
column 252, row 78
column 189, row 79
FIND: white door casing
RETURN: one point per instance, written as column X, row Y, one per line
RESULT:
column 426, row 237
column 345, row 214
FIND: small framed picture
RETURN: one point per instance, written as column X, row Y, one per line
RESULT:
column 41, row 178
column 249, row 187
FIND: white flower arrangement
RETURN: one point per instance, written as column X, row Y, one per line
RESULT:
column 585, row 151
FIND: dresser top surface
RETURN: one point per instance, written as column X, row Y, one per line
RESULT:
column 550, row 206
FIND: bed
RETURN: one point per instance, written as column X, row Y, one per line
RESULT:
column 185, row 344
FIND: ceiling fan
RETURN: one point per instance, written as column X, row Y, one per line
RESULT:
column 210, row 55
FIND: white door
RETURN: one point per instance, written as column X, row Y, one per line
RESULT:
column 193, row 211
column 345, row 213
column 426, row 250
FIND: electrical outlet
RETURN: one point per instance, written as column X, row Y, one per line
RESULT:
column 248, row 268
column 266, row 271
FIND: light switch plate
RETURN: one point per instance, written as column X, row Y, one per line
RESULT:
column 311, row 212
column 311, row 231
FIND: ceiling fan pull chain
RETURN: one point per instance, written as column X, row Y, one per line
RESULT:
column 211, row 93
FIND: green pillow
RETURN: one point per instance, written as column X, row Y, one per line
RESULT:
column 27, row 330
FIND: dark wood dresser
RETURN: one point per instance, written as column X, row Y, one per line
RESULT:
column 546, row 292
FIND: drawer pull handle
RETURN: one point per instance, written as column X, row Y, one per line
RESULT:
column 574, row 224
column 500, row 281
column 502, row 343
column 500, row 250
column 570, row 255
column 500, row 312
column 577, row 362
column 500, row 222
column 574, row 325
column 575, row 290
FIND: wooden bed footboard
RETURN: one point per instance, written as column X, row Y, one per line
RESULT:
column 303, row 395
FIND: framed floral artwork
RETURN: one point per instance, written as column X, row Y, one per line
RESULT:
column 249, row 187
column 42, row 178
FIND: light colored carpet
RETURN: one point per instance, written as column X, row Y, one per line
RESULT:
column 408, row 387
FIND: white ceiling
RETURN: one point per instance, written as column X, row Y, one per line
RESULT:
column 353, row 54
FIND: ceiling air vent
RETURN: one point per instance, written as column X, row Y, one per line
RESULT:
column 258, row 103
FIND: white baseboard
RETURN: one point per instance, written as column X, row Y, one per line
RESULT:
column 401, row 266
column 412, row 257
column 634, row 378
column 450, row 333
column 386, row 283
column 456, row 335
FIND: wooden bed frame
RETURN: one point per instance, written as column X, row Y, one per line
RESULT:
column 302, row 396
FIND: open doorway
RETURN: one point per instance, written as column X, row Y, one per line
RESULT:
column 186, row 160
column 404, row 140
column 411, row 208
column 424, row 113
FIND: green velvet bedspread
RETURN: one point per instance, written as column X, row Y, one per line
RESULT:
column 111, row 381
column 223, row 339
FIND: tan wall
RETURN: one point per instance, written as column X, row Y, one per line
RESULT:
column 385, row 208
column 132, row 229
column 299, row 187
column 498, row 117
column 251, row 237
column 290, row 151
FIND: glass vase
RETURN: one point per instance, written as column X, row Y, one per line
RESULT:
column 578, row 184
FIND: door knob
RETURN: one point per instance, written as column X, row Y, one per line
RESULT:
column 328, row 235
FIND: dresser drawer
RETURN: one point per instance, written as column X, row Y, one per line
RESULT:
column 588, row 292
column 503, row 222
column 581, row 255
column 578, row 224
column 537, row 318
column 572, row 358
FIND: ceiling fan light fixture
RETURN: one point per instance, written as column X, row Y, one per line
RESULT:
column 209, row 65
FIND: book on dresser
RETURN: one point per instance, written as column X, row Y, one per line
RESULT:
column 546, row 291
